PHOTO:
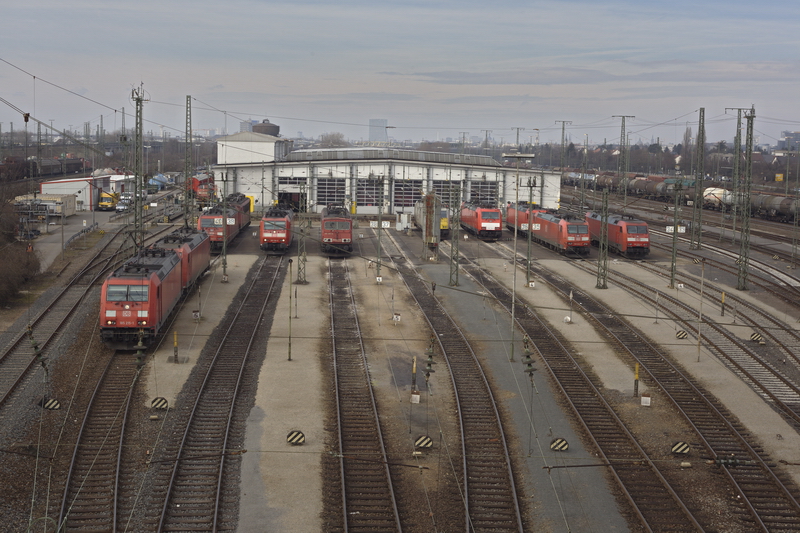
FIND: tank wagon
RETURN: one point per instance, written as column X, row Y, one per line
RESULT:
column 336, row 230
column 137, row 299
column 626, row 236
column 482, row 220
column 276, row 229
column 236, row 214
column 775, row 207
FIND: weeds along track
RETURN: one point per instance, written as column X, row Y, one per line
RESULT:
column 491, row 501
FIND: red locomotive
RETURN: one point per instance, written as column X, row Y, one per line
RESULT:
column 236, row 213
column 482, row 220
column 276, row 229
column 519, row 215
column 564, row 234
column 626, row 236
column 138, row 297
column 203, row 188
column 336, row 230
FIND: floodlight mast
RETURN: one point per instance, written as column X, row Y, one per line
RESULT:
column 516, row 156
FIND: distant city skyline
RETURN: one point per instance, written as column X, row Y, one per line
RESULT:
column 433, row 70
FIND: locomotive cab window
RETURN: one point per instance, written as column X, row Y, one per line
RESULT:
column 490, row 215
column 579, row 230
column 127, row 293
column 641, row 230
column 210, row 222
column 274, row 224
column 337, row 224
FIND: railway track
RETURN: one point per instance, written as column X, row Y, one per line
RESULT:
column 779, row 284
column 91, row 499
column 368, row 499
column 768, row 502
column 780, row 337
column 197, row 465
column 652, row 499
column 491, row 502
column 30, row 347
column 762, row 377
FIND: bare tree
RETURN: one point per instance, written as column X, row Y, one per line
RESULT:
column 333, row 140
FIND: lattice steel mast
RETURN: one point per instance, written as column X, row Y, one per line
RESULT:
column 737, row 160
column 138, row 165
column 602, row 258
column 697, row 209
column 455, row 226
column 744, row 242
column 188, row 164
column 623, row 162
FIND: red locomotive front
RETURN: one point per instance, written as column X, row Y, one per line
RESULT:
column 137, row 298
column 336, row 230
column 482, row 220
column 276, row 232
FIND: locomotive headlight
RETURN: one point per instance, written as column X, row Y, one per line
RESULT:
column 126, row 306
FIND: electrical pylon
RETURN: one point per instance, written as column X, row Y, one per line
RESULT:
column 744, row 242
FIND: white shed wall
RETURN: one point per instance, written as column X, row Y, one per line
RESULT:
column 265, row 182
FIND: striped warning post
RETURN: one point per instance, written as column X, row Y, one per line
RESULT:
column 296, row 438
column 50, row 404
column 423, row 441
column 559, row 445
column 680, row 448
column 681, row 334
column 159, row 403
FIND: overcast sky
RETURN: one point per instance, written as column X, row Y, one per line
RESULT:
column 433, row 69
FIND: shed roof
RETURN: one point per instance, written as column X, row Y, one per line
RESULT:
column 249, row 136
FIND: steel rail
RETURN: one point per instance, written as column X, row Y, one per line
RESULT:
column 208, row 424
column 368, row 498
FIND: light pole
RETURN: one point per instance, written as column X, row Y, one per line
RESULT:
column 380, row 223
column 700, row 313
column 225, row 228
column 517, row 156
column 290, row 309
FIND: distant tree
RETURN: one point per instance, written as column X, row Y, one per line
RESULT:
column 432, row 146
column 655, row 148
column 333, row 140
column 722, row 147
column 16, row 264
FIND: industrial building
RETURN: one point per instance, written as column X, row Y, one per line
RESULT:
column 265, row 167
